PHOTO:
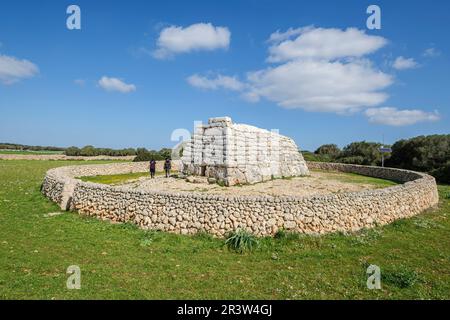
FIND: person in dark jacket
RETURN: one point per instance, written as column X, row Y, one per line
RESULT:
column 167, row 167
column 152, row 168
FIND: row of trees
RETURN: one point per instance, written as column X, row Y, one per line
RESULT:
column 90, row 151
column 362, row 152
column 424, row 153
column 15, row 146
column 142, row 154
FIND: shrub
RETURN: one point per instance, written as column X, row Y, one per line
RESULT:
column 330, row 150
column 423, row 153
column 72, row 151
column 400, row 277
column 143, row 154
column 280, row 234
column 362, row 152
column 241, row 240
column 442, row 174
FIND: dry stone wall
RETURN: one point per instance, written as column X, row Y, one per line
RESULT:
column 189, row 213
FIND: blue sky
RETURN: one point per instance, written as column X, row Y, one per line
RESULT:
column 137, row 70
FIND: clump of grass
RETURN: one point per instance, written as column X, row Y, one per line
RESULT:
column 367, row 236
column 280, row 234
column 400, row 277
column 425, row 223
column 241, row 240
column 146, row 242
column 447, row 195
column 204, row 236
column 399, row 224
column 285, row 235
column 128, row 226
column 221, row 183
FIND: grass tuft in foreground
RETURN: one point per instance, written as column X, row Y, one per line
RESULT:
column 241, row 241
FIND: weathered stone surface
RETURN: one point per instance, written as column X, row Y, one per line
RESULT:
column 263, row 215
column 240, row 154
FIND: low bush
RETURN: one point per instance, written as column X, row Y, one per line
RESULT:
column 400, row 277
column 331, row 151
column 280, row 234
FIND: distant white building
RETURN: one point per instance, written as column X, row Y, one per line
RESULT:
column 240, row 154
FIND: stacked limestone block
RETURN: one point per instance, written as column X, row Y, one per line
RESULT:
column 240, row 154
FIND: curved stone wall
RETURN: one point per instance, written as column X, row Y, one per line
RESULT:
column 189, row 213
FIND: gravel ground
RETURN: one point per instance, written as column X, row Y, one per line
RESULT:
column 318, row 183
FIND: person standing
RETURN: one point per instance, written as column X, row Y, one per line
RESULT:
column 167, row 167
column 152, row 168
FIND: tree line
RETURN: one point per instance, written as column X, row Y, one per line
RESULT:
column 91, row 151
column 142, row 154
column 16, row 146
column 429, row 154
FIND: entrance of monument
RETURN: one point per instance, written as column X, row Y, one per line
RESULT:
column 203, row 171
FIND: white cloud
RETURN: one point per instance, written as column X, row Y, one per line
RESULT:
column 431, row 52
column 200, row 36
column 318, row 69
column 114, row 84
column 320, row 43
column 321, row 70
column 13, row 69
column 394, row 117
column 320, row 85
column 402, row 63
column 278, row 36
column 220, row 81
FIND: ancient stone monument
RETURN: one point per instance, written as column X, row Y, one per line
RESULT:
column 234, row 153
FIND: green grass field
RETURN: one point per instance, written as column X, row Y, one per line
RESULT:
column 357, row 179
column 121, row 261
